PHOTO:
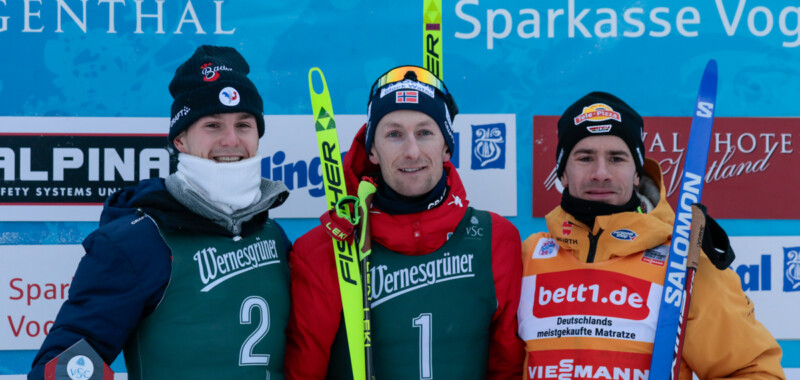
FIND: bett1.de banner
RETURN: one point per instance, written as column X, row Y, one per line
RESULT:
column 84, row 111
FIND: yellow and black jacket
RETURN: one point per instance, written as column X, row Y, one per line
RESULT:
column 590, row 301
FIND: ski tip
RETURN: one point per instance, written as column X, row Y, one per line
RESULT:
column 312, row 71
column 711, row 67
column 708, row 83
column 321, row 79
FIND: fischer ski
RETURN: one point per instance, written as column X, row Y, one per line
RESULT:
column 674, row 297
column 345, row 253
column 432, row 37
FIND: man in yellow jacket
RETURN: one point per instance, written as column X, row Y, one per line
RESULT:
column 592, row 284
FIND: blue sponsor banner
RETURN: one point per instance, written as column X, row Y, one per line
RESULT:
column 488, row 146
column 756, row 277
column 297, row 174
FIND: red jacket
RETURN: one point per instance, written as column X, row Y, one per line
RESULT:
column 316, row 303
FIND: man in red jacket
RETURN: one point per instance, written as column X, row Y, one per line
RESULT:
column 445, row 277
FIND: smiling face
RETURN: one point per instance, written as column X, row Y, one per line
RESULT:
column 410, row 150
column 226, row 137
column 601, row 169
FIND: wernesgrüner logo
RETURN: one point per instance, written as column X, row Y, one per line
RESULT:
column 388, row 284
column 488, row 146
column 791, row 269
column 216, row 268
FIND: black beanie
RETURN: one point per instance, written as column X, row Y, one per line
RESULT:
column 411, row 94
column 214, row 80
column 599, row 114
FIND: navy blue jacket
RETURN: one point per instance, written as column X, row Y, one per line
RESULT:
column 125, row 271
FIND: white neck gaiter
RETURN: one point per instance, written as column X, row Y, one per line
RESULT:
column 229, row 186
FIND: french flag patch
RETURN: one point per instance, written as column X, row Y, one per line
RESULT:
column 406, row 97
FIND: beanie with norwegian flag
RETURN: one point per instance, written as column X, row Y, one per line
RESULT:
column 409, row 94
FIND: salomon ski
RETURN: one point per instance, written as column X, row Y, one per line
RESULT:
column 673, row 296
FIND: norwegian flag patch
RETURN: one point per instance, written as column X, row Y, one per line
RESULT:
column 406, row 97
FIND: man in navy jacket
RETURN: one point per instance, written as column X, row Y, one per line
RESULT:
column 183, row 272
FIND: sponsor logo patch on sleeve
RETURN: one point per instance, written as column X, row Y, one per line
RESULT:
column 656, row 256
column 625, row 235
column 545, row 249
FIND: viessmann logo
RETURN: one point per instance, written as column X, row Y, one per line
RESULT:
column 590, row 364
column 591, row 292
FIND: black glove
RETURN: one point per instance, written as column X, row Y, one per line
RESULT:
column 715, row 243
